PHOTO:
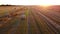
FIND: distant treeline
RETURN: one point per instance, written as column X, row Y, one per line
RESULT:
column 7, row 5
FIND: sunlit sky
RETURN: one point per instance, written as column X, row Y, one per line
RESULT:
column 30, row 2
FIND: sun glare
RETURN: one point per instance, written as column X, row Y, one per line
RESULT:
column 44, row 5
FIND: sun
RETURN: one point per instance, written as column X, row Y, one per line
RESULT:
column 45, row 5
